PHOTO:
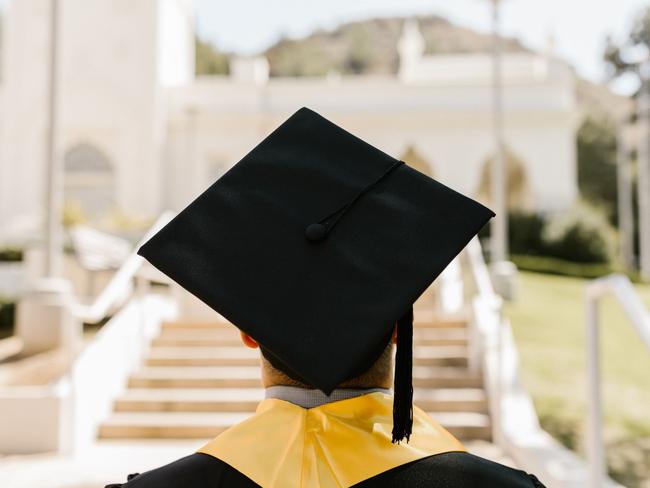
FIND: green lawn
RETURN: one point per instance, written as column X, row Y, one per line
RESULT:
column 548, row 323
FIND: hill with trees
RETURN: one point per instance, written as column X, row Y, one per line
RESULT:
column 362, row 47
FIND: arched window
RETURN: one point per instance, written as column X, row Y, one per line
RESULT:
column 89, row 183
column 519, row 196
column 415, row 160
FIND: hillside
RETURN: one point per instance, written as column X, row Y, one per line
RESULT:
column 370, row 47
column 364, row 47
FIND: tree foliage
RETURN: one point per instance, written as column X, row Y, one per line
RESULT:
column 209, row 60
column 370, row 47
column 625, row 57
column 596, row 147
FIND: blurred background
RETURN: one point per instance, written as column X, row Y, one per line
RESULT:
column 533, row 346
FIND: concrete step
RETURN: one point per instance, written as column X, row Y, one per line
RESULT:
column 224, row 333
column 170, row 425
column 440, row 324
column 198, row 338
column 438, row 336
column 422, row 321
column 445, row 377
column 450, row 399
column 194, row 425
column 203, row 356
column 196, row 325
column 465, row 425
column 440, row 356
column 197, row 377
column 230, row 337
column 247, row 399
column 249, row 377
column 190, row 400
column 242, row 356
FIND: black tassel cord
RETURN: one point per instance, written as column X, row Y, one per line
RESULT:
column 403, row 395
column 318, row 231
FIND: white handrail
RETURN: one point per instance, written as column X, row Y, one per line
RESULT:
column 492, row 303
column 515, row 424
column 480, row 272
column 121, row 281
column 622, row 289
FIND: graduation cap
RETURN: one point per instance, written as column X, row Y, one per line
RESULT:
column 316, row 244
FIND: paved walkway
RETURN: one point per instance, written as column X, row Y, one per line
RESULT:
column 110, row 462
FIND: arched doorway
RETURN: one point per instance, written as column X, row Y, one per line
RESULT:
column 89, row 184
column 415, row 160
column 519, row 196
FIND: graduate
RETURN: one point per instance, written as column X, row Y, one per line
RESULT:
column 315, row 246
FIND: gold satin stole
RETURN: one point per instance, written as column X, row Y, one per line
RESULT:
column 334, row 445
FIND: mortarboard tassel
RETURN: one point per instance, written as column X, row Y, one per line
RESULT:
column 403, row 394
column 318, row 231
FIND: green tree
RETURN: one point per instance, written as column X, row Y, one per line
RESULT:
column 624, row 58
column 209, row 60
column 596, row 146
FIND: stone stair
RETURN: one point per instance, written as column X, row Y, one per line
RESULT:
column 199, row 379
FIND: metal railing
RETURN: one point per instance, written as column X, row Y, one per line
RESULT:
column 129, row 281
column 515, row 425
column 120, row 284
column 490, row 304
column 620, row 287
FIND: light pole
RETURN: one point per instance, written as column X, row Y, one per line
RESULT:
column 503, row 271
column 53, row 170
column 624, row 190
column 499, row 230
column 643, row 170
column 44, row 318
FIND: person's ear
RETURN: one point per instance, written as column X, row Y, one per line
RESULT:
column 248, row 340
column 394, row 338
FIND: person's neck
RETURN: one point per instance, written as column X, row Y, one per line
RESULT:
column 310, row 398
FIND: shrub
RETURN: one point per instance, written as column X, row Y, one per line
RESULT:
column 554, row 266
column 578, row 242
column 11, row 254
column 582, row 234
column 628, row 461
column 7, row 314
column 525, row 233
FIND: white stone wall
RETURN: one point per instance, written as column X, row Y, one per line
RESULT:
column 116, row 57
column 175, row 42
column 127, row 89
column 23, row 122
column 446, row 118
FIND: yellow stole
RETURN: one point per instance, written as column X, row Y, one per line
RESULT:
column 334, row 445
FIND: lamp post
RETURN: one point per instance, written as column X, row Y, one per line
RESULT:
column 643, row 170
column 44, row 318
column 503, row 271
column 53, row 171
column 499, row 231
column 624, row 190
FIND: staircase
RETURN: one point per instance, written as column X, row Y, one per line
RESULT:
column 199, row 379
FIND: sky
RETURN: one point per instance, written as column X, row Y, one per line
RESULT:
column 578, row 27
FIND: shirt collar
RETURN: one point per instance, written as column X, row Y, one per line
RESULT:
column 308, row 398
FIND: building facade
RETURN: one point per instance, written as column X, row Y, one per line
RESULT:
column 139, row 133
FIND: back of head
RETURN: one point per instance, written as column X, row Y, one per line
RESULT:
column 379, row 375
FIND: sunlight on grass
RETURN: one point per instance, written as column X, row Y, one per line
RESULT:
column 548, row 324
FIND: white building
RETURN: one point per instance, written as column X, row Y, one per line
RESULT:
column 139, row 133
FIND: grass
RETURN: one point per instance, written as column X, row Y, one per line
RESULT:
column 548, row 324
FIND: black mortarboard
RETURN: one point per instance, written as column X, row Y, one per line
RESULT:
column 316, row 244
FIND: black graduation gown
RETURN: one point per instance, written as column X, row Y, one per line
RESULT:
column 445, row 470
